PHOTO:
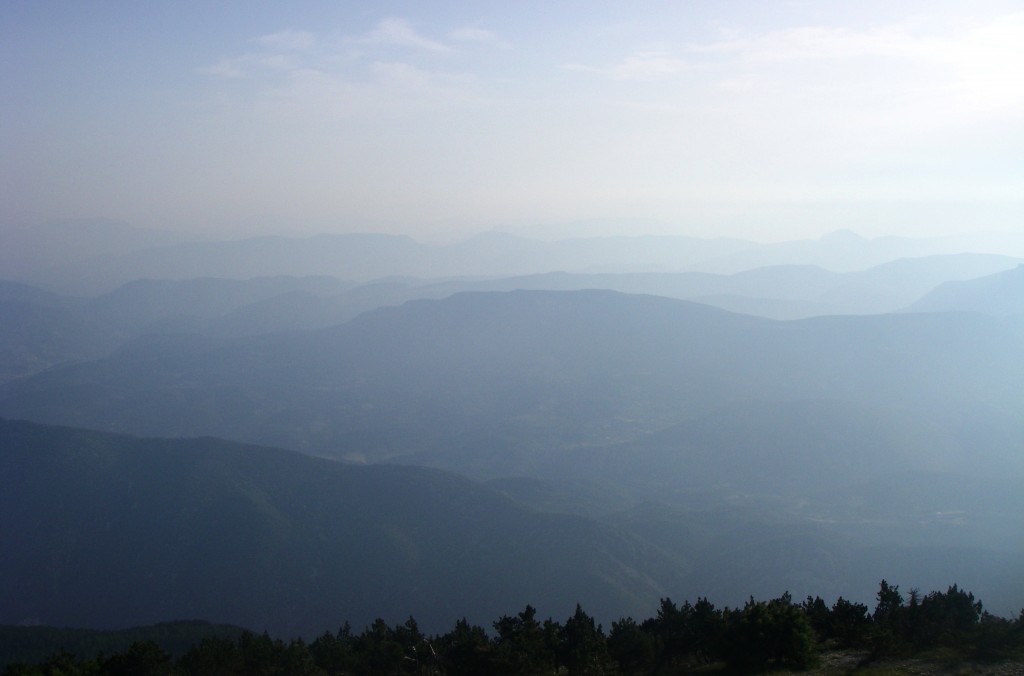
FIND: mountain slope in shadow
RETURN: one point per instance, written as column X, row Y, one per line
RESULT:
column 106, row 531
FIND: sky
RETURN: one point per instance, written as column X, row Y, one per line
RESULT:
column 765, row 120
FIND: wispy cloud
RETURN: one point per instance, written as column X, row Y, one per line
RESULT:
column 224, row 68
column 297, row 75
column 477, row 35
column 249, row 64
column 400, row 33
column 384, row 72
column 820, row 42
column 280, row 52
column 995, row 42
column 641, row 65
column 288, row 40
column 966, row 68
column 294, row 49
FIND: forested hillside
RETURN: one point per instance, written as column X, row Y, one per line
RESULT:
column 105, row 531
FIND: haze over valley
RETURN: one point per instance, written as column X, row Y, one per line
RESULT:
column 698, row 449
column 345, row 313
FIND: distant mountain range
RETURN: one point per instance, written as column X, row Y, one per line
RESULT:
column 626, row 433
column 517, row 373
column 93, row 258
column 597, row 393
column 42, row 328
column 1000, row 294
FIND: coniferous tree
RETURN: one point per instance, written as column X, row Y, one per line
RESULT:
column 524, row 646
column 213, row 657
column 333, row 652
column 632, row 648
column 465, row 650
column 888, row 620
column 669, row 628
column 850, row 623
column 773, row 633
column 945, row 618
column 141, row 659
column 819, row 616
column 706, row 623
column 378, row 651
column 583, row 649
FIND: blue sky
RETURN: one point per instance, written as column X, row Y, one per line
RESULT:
column 757, row 119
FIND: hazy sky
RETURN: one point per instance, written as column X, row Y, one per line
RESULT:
column 760, row 119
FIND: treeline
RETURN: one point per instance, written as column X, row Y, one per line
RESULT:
column 779, row 633
column 33, row 644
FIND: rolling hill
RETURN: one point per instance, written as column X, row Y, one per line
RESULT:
column 107, row 531
column 999, row 294
column 731, row 454
column 507, row 377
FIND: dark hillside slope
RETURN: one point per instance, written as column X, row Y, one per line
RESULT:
column 107, row 531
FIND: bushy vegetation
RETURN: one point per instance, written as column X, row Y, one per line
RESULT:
column 758, row 636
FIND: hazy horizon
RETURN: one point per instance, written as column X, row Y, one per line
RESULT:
column 321, row 312
column 763, row 122
column 548, row 231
